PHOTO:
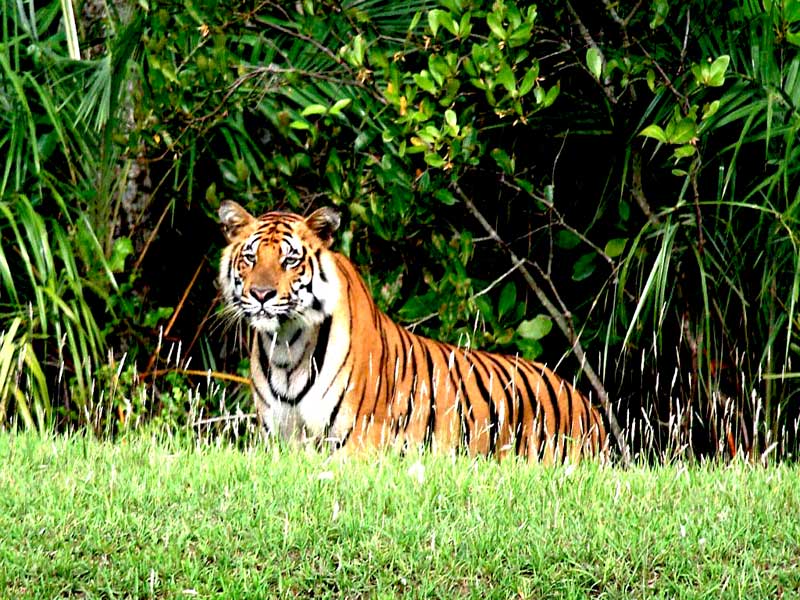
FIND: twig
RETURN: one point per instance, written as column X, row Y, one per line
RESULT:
column 225, row 419
column 150, row 239
column 560, row 221
column 203, row 322
column 177, row 310
column 634, row 10
column 667, row 81
column 587, row 37
column 685, row 40
column 560, row 320
column 199, row 373
column 638, row 192
column 698, row 214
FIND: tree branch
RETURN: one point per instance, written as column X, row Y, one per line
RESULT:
column 587, row 37
column 638, row 192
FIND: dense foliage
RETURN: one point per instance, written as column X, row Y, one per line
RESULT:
column 640, row 157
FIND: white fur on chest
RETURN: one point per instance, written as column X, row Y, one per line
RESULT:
column 283, row 367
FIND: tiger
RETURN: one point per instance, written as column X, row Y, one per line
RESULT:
column 326, row 365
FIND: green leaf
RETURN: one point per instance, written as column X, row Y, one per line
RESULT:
column 433, row 20
column 424, row 81
column 615, row 247
column 712, row 75
column 419, row 306
column 415, row 21
column 445, row 197
column 717, row 71
column 684, row 151
column 529, row 80
column 536, row 328
column 446, row 21
column 122, row 249
column 358, row 50
column 583, row 267
column 503, row 160
column 530, row 349
column 624, row 210
column 651, row 80
column 567, row 240
column 508, row 298
column 155, row 316
column 505, row 77
column 434, row 160
column 438, row 68
column 660, row 10
column 314, row 109
column 339, row 106
column 682, row 131
column 655, row 132
column 495, row 23
column 521, row 36
column 710, row 109
column 594, row 61
column 551, row 95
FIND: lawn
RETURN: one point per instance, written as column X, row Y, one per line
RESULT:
column 150, row 516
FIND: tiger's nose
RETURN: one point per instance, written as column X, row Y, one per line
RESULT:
column 262, row 294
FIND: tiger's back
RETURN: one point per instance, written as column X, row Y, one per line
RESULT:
column 327, row 364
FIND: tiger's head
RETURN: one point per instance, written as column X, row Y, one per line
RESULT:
column 273, row 270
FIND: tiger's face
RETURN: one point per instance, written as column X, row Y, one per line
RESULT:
column 271, row 272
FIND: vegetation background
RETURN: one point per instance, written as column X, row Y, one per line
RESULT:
column 626, row 171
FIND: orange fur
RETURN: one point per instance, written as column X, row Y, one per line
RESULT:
column 328, row 365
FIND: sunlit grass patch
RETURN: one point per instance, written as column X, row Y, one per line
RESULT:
column 161, row 517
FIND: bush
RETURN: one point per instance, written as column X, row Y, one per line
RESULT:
column 641, row 159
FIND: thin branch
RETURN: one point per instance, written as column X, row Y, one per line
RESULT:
column 638, row 192
column 560, row 221
column 587, row 37
column 198, row 373
column 667, row 81
column 225, row 419
column 563, row 324
column 685, row 40
column 698, row 214
column 177, row 310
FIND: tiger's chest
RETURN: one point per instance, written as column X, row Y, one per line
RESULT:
column 295, row 380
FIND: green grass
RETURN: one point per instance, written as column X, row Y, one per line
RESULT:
column 149, row 517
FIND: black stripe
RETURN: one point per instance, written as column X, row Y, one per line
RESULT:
column 355, row 419
column 556, row 410
column 264, row 355
column 465, row 435
column 406, row 347
column 295, row 336
column 533, row 398
column 322, row 274
column 263, row 400
column 431, row 424
column 398, row 377
column 499, row 363
column 412, row 395
column 317, row 360
column 493, row 425
column 335, row 411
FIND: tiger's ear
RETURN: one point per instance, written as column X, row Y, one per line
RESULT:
column 324, row 222
column 233, row 217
